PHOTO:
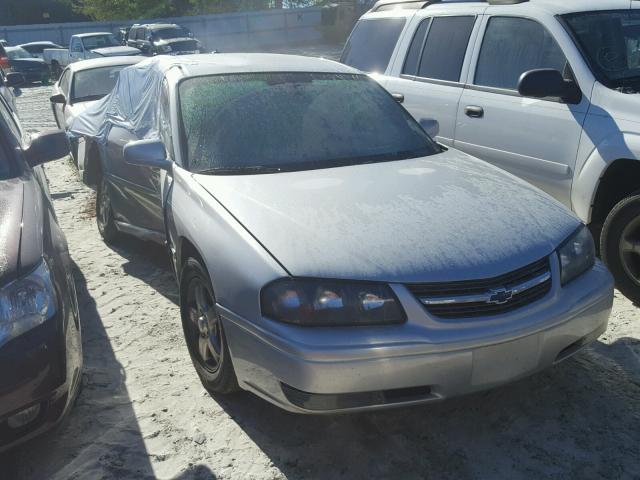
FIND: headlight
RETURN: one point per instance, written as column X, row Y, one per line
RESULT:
column 331, row 303
column 26, row 303
column 165, row 48
column 577, row 255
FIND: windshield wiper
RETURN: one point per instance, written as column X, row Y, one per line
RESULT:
column 87, row 98
column 239, row 170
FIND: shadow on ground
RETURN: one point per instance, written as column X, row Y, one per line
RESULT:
column 576, row 420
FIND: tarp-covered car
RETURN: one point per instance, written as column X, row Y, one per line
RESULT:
column 331, row 256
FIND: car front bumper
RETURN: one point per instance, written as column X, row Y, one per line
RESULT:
column 301, row 370
column 40, row 370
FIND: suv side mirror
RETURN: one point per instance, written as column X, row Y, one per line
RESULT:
column 147, row 153
column 58, row 98
column 431, row 126
column 548, row 82
column 46, row 147
column 14, row 79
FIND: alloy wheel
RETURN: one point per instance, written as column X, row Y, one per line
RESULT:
column 104, row 204
column 204, row 325
column 630, row 249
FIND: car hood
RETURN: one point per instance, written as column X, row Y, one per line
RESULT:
column 447, row 217
column 116, row 51
column 171, row 41
column 20, row 238
column 28, row 63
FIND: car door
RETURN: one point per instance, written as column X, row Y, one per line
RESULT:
column 136, row 192
column 429, row 75
column 76, row 50
column 535, row 139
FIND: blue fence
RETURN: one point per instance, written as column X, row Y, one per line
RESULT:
column 224, row 32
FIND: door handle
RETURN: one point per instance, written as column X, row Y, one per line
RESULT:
column 473, row 111
column 398, row 97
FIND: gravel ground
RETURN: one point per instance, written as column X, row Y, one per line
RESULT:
column 142, row 412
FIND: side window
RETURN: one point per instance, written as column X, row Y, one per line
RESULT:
column 164, row 120
column 134, row 33
column 64, row 82
column 415, row 49
column 371, row 44
column 76, row 46
column 12, row 122
column 512, row 46
column 445, row 48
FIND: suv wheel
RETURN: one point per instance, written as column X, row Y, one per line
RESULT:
column 203, row 330
column 104, row 212
column 620, row 246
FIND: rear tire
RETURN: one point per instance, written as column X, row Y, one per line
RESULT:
column 620, row 246
column 104, row 212
column 203, row 330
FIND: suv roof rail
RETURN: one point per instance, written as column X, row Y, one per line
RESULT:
column 382, row 5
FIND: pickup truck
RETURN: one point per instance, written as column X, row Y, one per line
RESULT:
column 84, row 46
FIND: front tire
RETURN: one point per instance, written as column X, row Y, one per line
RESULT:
column 620, row 246
column 104, row 212
column 203, row 330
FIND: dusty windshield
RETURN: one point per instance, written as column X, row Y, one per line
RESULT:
column 610, row 40
column 269, row 122
column 100, row 41
column 95, row 83
column 16, row 53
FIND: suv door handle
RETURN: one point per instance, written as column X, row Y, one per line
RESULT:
column 473, row 111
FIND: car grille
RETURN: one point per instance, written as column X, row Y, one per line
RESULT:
column 480, row 298
column 184, row 46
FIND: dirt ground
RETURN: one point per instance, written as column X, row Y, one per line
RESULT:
column 142, row 412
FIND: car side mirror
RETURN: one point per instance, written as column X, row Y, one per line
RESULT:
column 147, row 153
column 46, row 147
column 548, row 82
column 14, row 79
column 431, row 126
column 58, row 98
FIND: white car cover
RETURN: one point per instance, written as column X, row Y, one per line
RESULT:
column 131, row 104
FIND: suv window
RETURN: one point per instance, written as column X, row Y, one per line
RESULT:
column 445, row 48
column 371, row 44
column 512, row 46
column 415, row 49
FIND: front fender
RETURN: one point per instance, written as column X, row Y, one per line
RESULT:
column 617, row 146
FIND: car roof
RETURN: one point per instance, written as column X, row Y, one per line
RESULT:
column 159, row 25
column 553, row 7
column 104, row 62
column 230, row 63
column 84, row 35
column 44, row 42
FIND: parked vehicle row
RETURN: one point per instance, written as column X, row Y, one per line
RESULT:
column 40, row 347
column 545, row 90
column 85, row 46
column 330, row 255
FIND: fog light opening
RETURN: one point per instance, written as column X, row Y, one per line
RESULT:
column 24, row 417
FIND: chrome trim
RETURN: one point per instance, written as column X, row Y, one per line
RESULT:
column 486, row 297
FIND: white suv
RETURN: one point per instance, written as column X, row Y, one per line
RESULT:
column 547, row 90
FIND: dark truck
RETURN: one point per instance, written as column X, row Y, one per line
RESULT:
column 163, row 39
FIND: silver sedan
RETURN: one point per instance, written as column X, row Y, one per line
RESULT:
column 330, row 255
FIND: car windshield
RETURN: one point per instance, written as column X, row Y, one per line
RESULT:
column 171, row 32
column 270, row 122
column 100, row 41
column 95, row 83
column 610, row 40
column 16, row 53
